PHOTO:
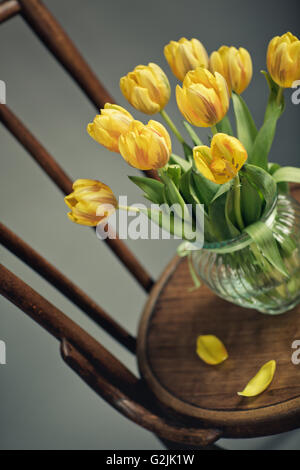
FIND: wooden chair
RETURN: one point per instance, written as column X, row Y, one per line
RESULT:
column 179, row 398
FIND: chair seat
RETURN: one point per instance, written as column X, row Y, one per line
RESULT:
column 172, row 320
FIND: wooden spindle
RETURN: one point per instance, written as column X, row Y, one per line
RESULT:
column 8, row 9
column 63, row 181
column 24, row 252
column 60, row 45
column 61, row 326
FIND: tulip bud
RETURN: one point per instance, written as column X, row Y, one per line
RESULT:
column 107, row 126
column 146, row 147
column 91, row 202
column 221, row 161
column 185, row 55
column 283, row 59
column 235, row 65
column 146, row 88
column 204, row 98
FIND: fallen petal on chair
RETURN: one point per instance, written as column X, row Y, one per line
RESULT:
column 260, row 382
column 211, row 349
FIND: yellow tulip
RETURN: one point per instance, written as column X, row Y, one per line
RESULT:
column 147, row 88
column 283, row 59
column 211, row 350
column 185, row 55
column 204, row 98
column 222, row 161
column 91, row 202
column 235, row 65
column 146, row 147
column 260, row 382
column 107, row 126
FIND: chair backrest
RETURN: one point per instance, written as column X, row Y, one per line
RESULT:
column 90, row 360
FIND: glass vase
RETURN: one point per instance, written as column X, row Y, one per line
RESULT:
column 245, row 277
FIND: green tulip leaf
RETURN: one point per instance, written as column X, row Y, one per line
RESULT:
column 223, row 188
column 152, row 188
column 219, row 217
column 246, row 128
column 263, row 237
column 205, row 189
column 184, row 165
column 283, row 187
column 174, row 172
column 169, row 222
column 264, row 183
column 188, row 152
column 287, row 174
column 196, row 140
column 263, row 142
column 251, row 201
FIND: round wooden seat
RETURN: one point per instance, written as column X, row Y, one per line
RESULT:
column 172, row 320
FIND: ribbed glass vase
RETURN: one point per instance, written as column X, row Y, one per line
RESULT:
column 245, row 277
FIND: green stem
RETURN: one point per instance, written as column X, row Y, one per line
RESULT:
column 196, row 140
column 237, row 202
column 279, row 96
column 171, row 125
column 129, row 208
column 214, row 130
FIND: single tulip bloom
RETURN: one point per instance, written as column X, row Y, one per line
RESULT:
column 235, row 65
column 146, row 147
column 283, row 59
column 107, row 126
column 91, row 202
column 184, row 55
column 147, row 88
column 204, row 97
column 221, row 161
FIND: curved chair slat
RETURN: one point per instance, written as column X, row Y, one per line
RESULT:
column 134, row 410
column 61, row 326
column 27, row 254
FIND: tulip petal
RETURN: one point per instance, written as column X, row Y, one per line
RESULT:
column 203, row 158
column 283, row 59
column 211, row 350
column 140, row 99
column 260, row 382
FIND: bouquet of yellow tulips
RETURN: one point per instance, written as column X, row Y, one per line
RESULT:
column 231, row 177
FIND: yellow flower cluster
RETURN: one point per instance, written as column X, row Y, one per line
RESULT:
column 203, row 99
column 143, row 146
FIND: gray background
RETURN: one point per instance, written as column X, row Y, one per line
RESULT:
column 43, row 405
